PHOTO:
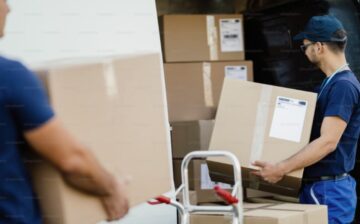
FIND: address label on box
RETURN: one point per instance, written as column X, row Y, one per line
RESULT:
column 288, row 120
column 236, row 72
column 231, row 36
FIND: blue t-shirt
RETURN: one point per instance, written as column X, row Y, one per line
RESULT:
column 340, row 97
column 23, row 107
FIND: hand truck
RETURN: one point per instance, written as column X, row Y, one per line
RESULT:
column 234, row 199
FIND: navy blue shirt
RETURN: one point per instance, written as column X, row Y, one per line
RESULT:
column 23, row 107
column 340, row 97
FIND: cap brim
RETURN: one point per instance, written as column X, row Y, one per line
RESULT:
column 299, row 37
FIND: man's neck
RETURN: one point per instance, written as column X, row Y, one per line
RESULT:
column 332, row 64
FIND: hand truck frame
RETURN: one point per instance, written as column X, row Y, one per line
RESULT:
column 234, row 199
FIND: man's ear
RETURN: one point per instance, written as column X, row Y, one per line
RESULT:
column 319, row 47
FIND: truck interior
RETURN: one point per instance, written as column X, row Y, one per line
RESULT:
column 269, row 28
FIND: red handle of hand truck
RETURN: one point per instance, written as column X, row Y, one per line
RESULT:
column 226, row 195
column 160, row 200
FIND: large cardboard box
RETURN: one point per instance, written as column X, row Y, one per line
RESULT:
column 116, row 107
column 188, row 38
column 193, row 89
column 285, row 213
column 188, row 136
column 271, row 214
column 261, row 122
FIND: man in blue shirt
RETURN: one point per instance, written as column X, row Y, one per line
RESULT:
column 332, row 151
column 26, row 115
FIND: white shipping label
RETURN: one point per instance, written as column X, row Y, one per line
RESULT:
column 231, row 35
column 236, row 72
column 206, row 183
column 288, row 120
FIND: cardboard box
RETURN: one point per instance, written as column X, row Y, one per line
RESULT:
column 273, row 199
column 271, row 214
column 177, row 173
column 189, row 38
column 199, row 181
column 116, row 107
column 256, row 196
column 210, row 219
column 285, row 213
column 188, row 136
column 193, row 89
column 252, row 193
column 261, row 122
column 192, row 198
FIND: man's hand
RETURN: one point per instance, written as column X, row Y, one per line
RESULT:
column 116, row 204
column 271, row 173
column 79, row 166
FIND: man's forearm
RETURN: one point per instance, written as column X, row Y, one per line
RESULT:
column 88, row 175
column 309, row 155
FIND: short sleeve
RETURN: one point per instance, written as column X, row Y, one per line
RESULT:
column 342, row 98
column 27, row 99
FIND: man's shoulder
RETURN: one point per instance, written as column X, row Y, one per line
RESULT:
column 6, row 63
column 348, row 79
column 11, row 69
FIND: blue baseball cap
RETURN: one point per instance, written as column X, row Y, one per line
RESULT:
column 321, row 29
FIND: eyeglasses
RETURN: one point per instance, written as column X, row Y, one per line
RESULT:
column 305, row 46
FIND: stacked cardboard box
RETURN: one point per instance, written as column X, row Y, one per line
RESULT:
column 190, row 38
column 193, row 89
column 285, row 213
column 188, row 136
column 116, row 107
column 199, row 51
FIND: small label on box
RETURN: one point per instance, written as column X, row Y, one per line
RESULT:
column 206, row 183
column 288, row 120
column 231, row 35
column 236, row 72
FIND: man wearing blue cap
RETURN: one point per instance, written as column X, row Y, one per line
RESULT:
column 330, row 155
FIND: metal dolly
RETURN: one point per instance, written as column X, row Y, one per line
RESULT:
column 234, row 199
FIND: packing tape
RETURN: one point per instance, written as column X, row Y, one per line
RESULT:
column 110, row 78
column 261, row 121
column 266, row 206
column 208, row 92
column 212, row 37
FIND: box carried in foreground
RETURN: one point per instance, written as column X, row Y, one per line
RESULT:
column 116, row 107
column 261, row 122
column 193, row 89
column 272, row 214
column 188, row 38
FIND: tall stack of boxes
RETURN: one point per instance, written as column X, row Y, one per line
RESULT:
column 199, row 52
column 206, row 76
